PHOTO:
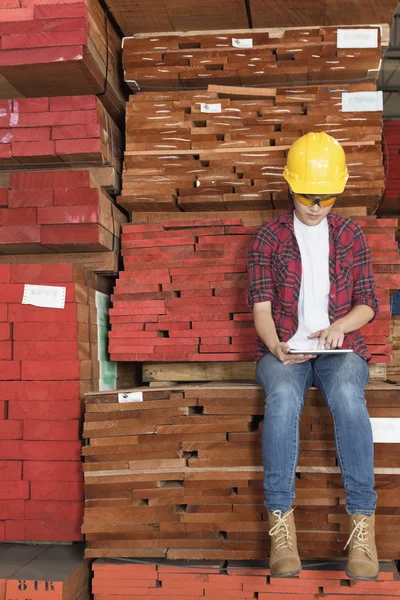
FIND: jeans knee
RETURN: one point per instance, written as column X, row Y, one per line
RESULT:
column 350, row 401
column 282, row 401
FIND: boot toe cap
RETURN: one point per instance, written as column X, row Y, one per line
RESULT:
column 363, row 569
column 285, row 566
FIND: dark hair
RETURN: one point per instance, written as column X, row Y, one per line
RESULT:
column 291, row 202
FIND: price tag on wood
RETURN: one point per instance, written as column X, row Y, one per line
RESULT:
column 130, row 397
column 242, row 43
column 357, row 38
column 362, row 101
column 45, row 296
column 210, row 108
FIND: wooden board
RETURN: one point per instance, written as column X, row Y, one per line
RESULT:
column 49, row 47
column 49, row 359
column 50, row 212
column 165, row 15
column 179, row 474
column 77, row 131
column 391, row 147
column 261, row 57
column 180, row 159
column 237, row 579
column 182, row 293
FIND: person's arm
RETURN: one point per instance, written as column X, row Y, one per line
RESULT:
column 333, row 336
column 261, row 294
column 266, row 330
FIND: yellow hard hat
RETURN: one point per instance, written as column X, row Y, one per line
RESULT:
column 316, row 164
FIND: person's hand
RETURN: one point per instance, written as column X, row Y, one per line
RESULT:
column 281, row 351
column 329, row 338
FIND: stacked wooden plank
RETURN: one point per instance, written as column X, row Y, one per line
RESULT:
column 177, row 472
column 224, row 149
column 42, row 571
column 182, row 293
column 49, row 358
column 51, row 131
column 252, row 57
column 179, row 15
column 391, row 202
column 57, row 211
column 236, row 580
column 60, row 48
column 267, row 13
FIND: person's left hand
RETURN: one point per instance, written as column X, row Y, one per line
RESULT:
column 329, row 338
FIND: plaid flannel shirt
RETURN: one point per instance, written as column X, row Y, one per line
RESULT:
column 274, row 270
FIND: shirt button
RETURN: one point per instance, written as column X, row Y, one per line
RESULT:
column 332, row 295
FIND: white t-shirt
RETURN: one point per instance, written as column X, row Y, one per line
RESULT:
column 313, row 315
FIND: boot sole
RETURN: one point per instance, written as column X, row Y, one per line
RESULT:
column 288, row 574
column 362, row 578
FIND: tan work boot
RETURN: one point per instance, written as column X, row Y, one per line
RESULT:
column 363, row 558
column 284, row 560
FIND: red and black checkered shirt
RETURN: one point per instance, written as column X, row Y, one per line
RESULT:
column 275, row 275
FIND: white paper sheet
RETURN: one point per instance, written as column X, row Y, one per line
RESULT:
column 45, row 296
column 362, row 101
column 357, row 38
column 130, row 397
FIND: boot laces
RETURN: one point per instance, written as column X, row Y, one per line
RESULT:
column 360, row 534
column 281, row 530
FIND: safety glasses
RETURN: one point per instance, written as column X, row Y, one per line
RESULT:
column 311, row 200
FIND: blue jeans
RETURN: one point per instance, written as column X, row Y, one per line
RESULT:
column 341, row 379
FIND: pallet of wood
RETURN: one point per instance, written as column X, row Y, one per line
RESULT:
column 236, row 580
column 57, row 212
column 262, row 57
column 176, row 472
column 182, row 293
column 49, row 358
column 391, row 201
column 179, row 15
column 60, row 48
column 42, row 571
column 76, row 130
column 225, row 148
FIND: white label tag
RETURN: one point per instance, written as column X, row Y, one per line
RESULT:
column 362, row 101
column 210, row 108
column 46, row 296
column 242, row 43
column 130, row 397
column 357, row 38
column 385, row 430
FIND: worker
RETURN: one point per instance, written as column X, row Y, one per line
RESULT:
column 311, row 287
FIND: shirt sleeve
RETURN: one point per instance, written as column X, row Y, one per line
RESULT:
column 261, row 285
column 364, row 287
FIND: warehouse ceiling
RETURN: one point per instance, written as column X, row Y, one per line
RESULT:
column 389, row 77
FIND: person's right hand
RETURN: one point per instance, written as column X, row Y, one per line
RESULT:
column 281, row 351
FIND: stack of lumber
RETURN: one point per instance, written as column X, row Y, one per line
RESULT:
column 236, row 580
column 49, row 358
column 60, row 48
column 182, row 293
column 177, row 472
column 253, row 57
column 391, row 202
column 393, row 371
column 51, row 131
column 52, row 572
column 225, row 148
column 58, row 212
column 181, row 15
